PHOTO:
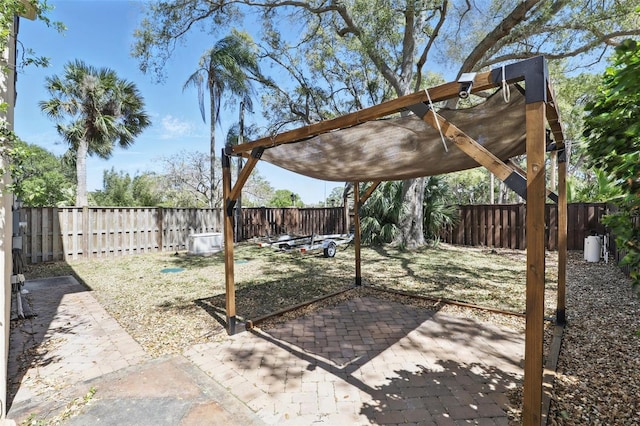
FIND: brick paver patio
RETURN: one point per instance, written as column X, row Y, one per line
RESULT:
column 370, row 361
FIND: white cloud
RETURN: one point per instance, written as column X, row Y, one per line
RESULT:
column 173, row 128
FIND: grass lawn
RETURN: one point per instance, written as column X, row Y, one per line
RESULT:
column 169, row 311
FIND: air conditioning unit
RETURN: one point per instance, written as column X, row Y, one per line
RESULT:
column 205, row 243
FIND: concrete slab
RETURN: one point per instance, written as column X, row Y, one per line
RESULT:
column 74, row 348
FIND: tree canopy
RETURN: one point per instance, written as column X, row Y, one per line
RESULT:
column 224, row 70
column 335, row 57
column 40, row 178
column 285, row 198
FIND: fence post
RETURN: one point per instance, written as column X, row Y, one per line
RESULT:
column 160, row 222
column 85, row 232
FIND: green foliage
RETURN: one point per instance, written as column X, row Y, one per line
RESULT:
column 94, row 110
column 335, row 197
column 39, row 177
column 225, row 69
column 469, row 186
column 119, row 189
column 11, row 8
column 381, row 214
column 596, row 186
column 285, row 198
column 438, row 213
column 612, row 129
column 385, row 208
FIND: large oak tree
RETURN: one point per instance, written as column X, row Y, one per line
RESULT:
column 342, row 55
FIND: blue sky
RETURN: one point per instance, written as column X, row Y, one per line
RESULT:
column 100, row 32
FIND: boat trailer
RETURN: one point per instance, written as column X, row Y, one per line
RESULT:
column 309, row 243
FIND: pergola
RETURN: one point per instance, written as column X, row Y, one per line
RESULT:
column 406, row 138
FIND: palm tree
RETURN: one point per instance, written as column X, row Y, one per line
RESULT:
column 438, row 213
column 225, row 67
column 382, row 213
column 93, row 110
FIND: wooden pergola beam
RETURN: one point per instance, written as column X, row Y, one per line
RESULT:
column 357, row 237
column 369, row 191
column 230, row 291
column 553, row 115
column 535, row 224
column 478, row 152
column 244, row 175
column 562, row 236
column 550, row 194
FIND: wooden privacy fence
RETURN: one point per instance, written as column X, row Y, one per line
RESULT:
column 66, row 233
column 70, row 233
column 503, row 225
column 274, row 221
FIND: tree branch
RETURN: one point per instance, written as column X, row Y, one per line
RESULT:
column 516, row 16
column 427, row 48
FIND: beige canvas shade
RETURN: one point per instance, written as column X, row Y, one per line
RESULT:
column 406, row 147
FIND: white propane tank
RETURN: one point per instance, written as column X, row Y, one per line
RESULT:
column 592, row 248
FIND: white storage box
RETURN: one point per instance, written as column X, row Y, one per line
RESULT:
column 206, row 243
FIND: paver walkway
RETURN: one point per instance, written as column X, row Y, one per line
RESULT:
column 74, row 346
column 71, row 339
column 370, row 361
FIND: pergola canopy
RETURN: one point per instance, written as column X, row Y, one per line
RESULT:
column 406, row 147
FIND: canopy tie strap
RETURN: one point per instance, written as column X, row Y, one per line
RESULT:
column 506, row 90
column 435, row 116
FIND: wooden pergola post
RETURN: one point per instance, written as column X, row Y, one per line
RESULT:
column 535, row 226
column 356, row 223
column 230, row 291
column 562, row 236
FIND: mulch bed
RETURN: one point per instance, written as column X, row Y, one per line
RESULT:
column 598, row 380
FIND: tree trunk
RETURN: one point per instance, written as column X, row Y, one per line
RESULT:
column 212, row 149
column 492, row 187
column 411, row 226
column 81, row 174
